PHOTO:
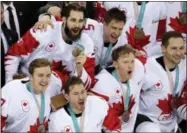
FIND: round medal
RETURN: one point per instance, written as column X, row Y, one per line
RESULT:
column 125, row 116
column 139, row 33
column 183, row 19
column 41, row 129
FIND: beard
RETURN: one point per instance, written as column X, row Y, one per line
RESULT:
column 69, row 33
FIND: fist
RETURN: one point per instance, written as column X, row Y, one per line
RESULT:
column 80, row 59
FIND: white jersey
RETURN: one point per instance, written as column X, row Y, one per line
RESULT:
column 50, row 45
column 94, row 114
column 155, row 99
column 19, row 109
column 109, row 88
column 173, row 11
column 153, row 23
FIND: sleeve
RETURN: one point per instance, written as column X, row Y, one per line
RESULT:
column 5, row 106
column 88, row 72
column 22, row 47
column 52, row 124
column 182, row 109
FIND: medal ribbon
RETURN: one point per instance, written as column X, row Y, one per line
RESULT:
column 103, row 62
column 141, row 15
column 173, row 87
column 184, row 7
column 75, row 121
column 127, row 96
column 41, row 108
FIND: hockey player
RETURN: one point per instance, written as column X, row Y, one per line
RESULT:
column 57, row 45
column 82, row 113
column 106, row 36
column 25, row 105
column 149, row 24
column 120, row 87
column 164, row 81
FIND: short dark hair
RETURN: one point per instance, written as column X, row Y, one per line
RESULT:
column 70, row 82
column 122, row 50
column 37, row 63
column 168, row 35
column 114, row 14
column 73, row 7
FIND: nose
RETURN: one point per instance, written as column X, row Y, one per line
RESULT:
column 81, row 97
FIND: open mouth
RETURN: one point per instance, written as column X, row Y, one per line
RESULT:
column 75, row 31
column 81, row 103
column 43, row 84
column 130, row 72
column 114, row 37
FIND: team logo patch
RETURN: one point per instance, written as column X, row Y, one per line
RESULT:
column 50, row 46
column 67, row 129
column 158, row 86
column 118, row 92
column 25, row 105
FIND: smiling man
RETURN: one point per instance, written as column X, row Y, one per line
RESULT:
column 82, row 113
column 25, row 104
column 57, row 45
column 163, row 83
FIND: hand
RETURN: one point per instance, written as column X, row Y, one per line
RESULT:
column 55, row 11
column 43, row 23
column 79, row 61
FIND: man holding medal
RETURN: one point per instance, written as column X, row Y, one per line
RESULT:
column 24, row 103
column 82, row 113
column 120, row 86
column 56, row 45
column 163, row 83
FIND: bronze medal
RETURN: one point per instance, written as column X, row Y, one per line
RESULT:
column 41, row 129
column 139, row 33
column 175, row 102
column 125, row 116
column 76, row 52
column 183, row 19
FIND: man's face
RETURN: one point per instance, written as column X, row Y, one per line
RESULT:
column 113, row 30
column 40, row 78
column 174, row 51
column 77, row 96
column 2, row 15
column 74, row 25
column 125, row 65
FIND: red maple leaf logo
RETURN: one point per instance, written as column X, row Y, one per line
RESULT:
column 24, row 104
column 51, row 45
column 67, row 129
column 34, row 128
column 165, row 105
column 59, row 69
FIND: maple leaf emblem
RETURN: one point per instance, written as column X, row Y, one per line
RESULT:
column 34, row 128
column 165, row 105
